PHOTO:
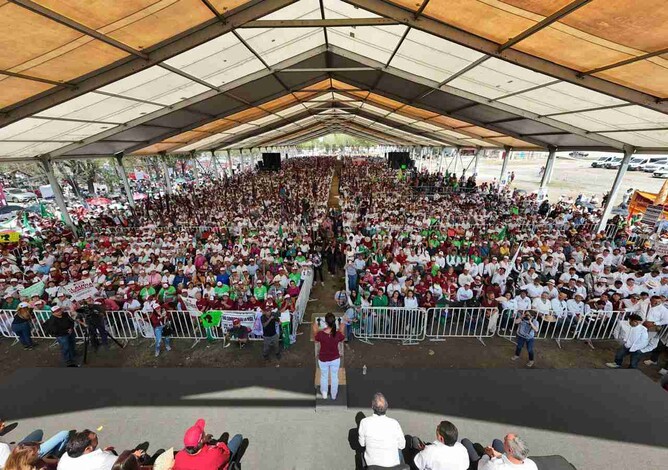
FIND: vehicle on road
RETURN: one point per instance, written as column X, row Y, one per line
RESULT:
column 637, row 163
column 661, row 172
column 613, row 163
column 600, row 163
column 19, row 195
column 654, row 165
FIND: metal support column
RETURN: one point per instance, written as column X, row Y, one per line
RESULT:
column 57, row 193
column 440, row 160
column 193, row 162
column 165, row 171
column 478, row 154
column 549, row 166
column 612, row 195
column 504, row 165
column 230, row 171
column 124, row 178
column 455, row 156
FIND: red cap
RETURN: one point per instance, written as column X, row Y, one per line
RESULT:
column 194, row 434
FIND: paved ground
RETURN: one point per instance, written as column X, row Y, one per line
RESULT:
column 570, row 177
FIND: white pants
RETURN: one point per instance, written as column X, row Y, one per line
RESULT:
column 325, row 369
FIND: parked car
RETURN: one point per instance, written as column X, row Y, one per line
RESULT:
column 654, row 164
column 600, row 163
column 613, row 163
column 18, row 195
column 661, row 172
column 637, row 163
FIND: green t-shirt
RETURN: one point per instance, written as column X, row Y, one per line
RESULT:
column 380, row 301
column 146, row 291
column 260, row 293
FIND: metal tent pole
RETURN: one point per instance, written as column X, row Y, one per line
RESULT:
column 609, row 204
column 165, row 171
column 504, row 165
column 57, row 193
column 124, row 178
column 549, row 166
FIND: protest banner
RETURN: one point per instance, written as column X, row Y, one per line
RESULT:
column 80, row 290
column 191, row 306
column 35, row 289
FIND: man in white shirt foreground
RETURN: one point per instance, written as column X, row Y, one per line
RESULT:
column 511, row 454
column 83, row 454
column 381, row 436
column 636, row 339
column 445, row 453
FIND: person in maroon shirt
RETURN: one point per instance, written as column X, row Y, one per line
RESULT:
column 329, row 358
column 202, row 452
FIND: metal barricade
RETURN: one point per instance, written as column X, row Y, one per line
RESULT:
column 184, row 326
column 461, row 322
column 599, row 325
column 304, row 294
column 247, row 319
column 409, row 325
column 6, row 319
column 119, row 324
column 557, row 328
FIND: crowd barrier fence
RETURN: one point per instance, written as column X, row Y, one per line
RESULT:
column 409, row 325
column 461, row 322
column 555, row 327
column 126, row 325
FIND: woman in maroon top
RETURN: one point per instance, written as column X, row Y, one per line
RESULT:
column 329, row 359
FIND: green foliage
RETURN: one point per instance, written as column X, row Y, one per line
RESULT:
column 336, row 140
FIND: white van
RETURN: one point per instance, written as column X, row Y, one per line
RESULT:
column 654, row 164
column 614, row 162
column 601, row 162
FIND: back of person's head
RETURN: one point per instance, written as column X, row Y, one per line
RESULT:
column 77, row 445
column 379, row 404
column 516, row 447
column 126, row 461
column 330, row 319
column 23, row 457
column 448, row 432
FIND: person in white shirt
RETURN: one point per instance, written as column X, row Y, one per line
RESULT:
column 83, row 454
column 636, row 340
column 464, row 293
column 445, row 453
column 381, row 436
column 465, row 278
column 542, row 304
column 535, row 289
column 657, row 318
column 559, row 306
column 522, row 302
column 510, row 454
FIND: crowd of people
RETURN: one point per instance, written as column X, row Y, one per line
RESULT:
column 501, row 249
column 242, row 242
column 81, row 450
column 239, row 243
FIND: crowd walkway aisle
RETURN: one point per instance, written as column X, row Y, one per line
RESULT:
column 333, row 202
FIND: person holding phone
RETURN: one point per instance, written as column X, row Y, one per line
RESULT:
column 526, row 333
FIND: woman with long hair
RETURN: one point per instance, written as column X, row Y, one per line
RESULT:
column 24, row 457
column 329, row 358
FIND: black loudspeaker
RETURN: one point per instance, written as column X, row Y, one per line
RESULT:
column 398, row 159
column 271, row 161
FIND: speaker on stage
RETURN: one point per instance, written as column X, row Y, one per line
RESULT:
column 271, row 161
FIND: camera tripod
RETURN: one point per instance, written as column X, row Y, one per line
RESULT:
column 87, row 340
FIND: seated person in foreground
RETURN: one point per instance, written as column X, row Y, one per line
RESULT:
column 445, row 453
column 202, row 452
column 511, row 454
